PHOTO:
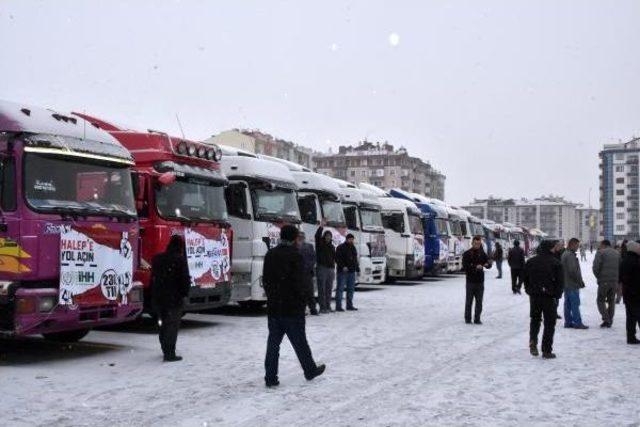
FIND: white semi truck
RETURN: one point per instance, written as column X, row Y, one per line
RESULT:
column 363, row 216
column 261, row 198
column 319, row 196
column 404, row 235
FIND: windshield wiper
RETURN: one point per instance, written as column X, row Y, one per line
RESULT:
column 293, row 218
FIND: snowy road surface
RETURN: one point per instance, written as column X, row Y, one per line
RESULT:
column 406, row 358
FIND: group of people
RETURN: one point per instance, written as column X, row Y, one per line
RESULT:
column 553, row 273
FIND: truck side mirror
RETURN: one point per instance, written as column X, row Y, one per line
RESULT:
column 167, row 178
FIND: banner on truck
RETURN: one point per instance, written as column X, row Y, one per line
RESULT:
column 208, row 258
column 96, row 266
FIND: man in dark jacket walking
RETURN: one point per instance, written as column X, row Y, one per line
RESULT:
column 474, row 261
column 283, row 279
column 606, row 268
column 516, row 264
column 170, row 284
column 630, row 278
column 309, row 263
column 543, row 280
column 498, row 257
column 325, row 267
column 348, row 266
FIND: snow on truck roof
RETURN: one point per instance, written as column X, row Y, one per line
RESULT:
column 57, row 132
column 241, row 167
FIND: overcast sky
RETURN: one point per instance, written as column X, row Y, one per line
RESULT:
column 508, row 98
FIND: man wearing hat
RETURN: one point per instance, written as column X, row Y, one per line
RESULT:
column 347, row 267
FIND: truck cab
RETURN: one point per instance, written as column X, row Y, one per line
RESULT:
column 68, row 228
column 180, row 190
column 456, row 243
column 364, row 220
column 404, row 235
column 261, row 198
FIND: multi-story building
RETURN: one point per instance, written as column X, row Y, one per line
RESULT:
column 259, row 142
column 619, row 191
column 551, row 214
column 382, row 165
column 587, row 225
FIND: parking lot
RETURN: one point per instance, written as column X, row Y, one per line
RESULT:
column 406, row 357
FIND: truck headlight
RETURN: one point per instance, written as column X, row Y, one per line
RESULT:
column 46, row 304
column 136, row 294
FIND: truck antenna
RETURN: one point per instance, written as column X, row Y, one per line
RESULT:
column 180, row 126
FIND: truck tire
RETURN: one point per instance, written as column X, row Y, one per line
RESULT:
column 252, row 305
column 67, row 336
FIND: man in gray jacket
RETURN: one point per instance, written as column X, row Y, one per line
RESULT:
column 572, row 284
column 606, row 267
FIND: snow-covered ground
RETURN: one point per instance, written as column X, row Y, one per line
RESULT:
column 406, row 358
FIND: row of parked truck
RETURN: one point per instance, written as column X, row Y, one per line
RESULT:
column 85, row 205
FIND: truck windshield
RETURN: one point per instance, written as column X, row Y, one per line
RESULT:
column 275, row 204
column 455, row 227
column 333, row 212
column 478, row 230
column 351, row 216
column 441, row 225
column 371, row 218
column 463, row 228
column 393, row 221
column 415, row 222
column 190, row 200
column 59, row 184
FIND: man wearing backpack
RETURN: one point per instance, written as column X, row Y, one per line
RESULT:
column 543, row 281
column 287, row 297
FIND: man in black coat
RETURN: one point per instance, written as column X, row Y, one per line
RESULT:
column 543, row 280
column 474, row 261
column 516, row 261
column 630, row 279
column 347, row 268
column 170, row 284
column 308, row 264
column 283, row 279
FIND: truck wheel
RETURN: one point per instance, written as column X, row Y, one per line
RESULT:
column 252, row 305
column 67, row 336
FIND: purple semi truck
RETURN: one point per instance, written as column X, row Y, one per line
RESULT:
column 68, row 227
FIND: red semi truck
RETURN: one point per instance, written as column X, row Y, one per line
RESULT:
column 179, row 189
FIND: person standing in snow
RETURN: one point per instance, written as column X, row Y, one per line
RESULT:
column 474, row 261
column 325, row 266
column 170, row 284
column 572, row 284
column 606, row 268
column 543, row 279
column 498, row 257
column 630, row 278
column 583, row 253
column 347, row 268
column 623, row 251
column 309, row 262
column 287, row 297
column 516, row 260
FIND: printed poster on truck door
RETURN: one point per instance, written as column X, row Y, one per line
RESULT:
column 96, row 266
column 208, row 258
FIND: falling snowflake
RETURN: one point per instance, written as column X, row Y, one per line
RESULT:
column 334, row 47
column 394, row 39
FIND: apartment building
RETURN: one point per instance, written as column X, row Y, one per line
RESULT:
column 384, row 166
column 619, row 190
column 260, row 142
column 552, row 214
